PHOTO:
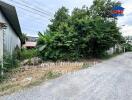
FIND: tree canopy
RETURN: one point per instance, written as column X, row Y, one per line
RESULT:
column 87, row 32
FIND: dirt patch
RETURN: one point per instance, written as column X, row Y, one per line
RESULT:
column 33, row 75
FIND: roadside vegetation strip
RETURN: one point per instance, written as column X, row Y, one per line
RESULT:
column 32, row 75
column 28, row 76
column 15, row 85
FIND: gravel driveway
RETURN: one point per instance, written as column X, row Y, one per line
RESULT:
column 110, row 80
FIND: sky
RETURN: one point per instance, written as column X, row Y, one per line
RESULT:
column 32, row 22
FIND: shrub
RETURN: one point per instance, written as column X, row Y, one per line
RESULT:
column 10, row 62
column 27, row 53
column 128, row 47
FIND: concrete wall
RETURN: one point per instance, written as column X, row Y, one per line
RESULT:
column 11, row 40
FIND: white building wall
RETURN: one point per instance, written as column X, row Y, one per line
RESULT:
column 11, row 40
column 1, row 45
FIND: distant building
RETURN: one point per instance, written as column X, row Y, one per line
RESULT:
column 30, row 42
column 115, row 49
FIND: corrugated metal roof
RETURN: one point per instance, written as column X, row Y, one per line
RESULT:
column 10, row 14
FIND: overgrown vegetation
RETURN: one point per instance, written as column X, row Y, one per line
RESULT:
column 128, row 47
column 32, row 76
column 10, row 87
column 26, row 53
column 13, row 61
column 10, row 62
column 87, row 32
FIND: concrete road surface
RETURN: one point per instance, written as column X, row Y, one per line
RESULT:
column 110, row 80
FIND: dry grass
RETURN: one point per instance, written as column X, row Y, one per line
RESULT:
column 33, row 75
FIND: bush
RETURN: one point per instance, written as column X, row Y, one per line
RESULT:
column 27, row 54
column 10, row 63
column 128, row 47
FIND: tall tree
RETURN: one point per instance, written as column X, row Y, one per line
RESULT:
column 60, row 17
column 102, row 8
column 86, row 32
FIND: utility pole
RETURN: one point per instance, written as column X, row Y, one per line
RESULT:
column 2, row 29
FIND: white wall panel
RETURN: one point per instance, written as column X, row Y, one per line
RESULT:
column 11, row 40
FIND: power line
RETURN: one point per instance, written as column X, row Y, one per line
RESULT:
column 37, row 18
column 41, row 4
column 30, row 8
column 37, row 6
column 31, row 11
column 27, row 10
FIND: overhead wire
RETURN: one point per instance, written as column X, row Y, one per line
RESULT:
column 37, row 5
column 38, row 15
column 29, row 7
column 27, row 10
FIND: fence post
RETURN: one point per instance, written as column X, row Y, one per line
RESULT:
column 2, row 31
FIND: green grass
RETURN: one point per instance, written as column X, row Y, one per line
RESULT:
column 48, row 76
column 85, row 66
column 106, row 57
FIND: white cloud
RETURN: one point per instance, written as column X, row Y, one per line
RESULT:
column 126, row 20
column 127, row 30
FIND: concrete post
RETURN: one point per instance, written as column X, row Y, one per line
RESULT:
column 1, row 50
column 2, row 30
